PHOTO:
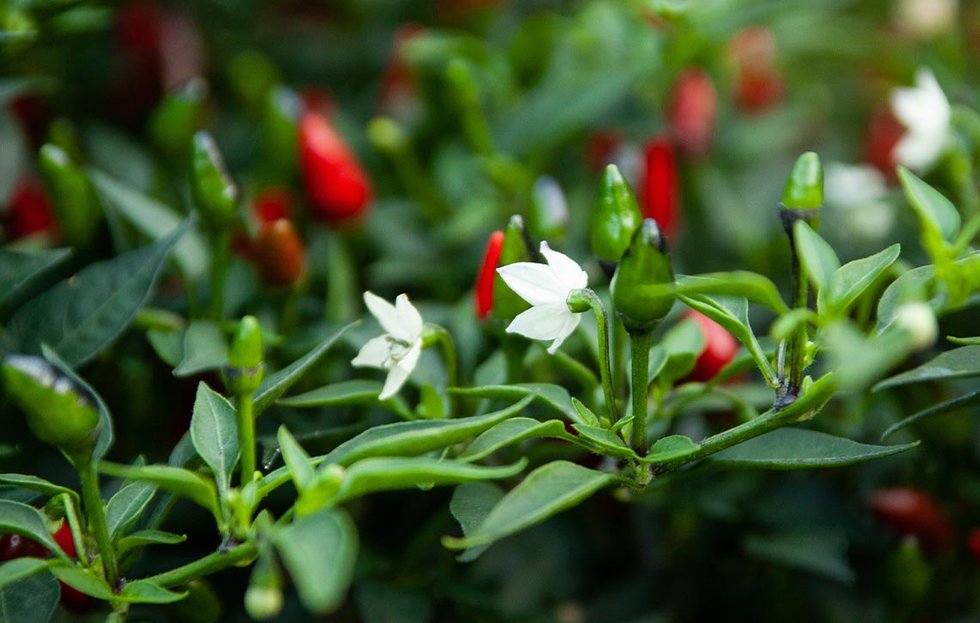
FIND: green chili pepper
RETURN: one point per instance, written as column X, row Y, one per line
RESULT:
column 71, row 195
column 215, row 192
column 615, row 217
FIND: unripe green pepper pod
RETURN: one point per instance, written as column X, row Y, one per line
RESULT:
column 803, row 196
column 215, row 192
column 506, row 303
column 178, row 116
column 280, row 134
column 616, row 216
column 638, row 292
column 548, row 213
column 57, row 411
column 71, row 195
column 245, row 357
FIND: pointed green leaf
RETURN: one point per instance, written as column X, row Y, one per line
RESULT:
column 851, row 280
column 33, row 598
column 148, row 537
column 817, row 257
column 509, row 432
column 732, row 312
column 146, row 592
column 948, row 406
column 358, row 391
column 18, row 269
column 20, row 568
column 214, row 432
column 391, row 474
column 670, row 448
column 604, row 441
column 470, row 505
column 84, row 581
column 934, row 210
column 554, row 396
column 962, row 362
column 181, row 482
column 27, row 481
column 297, row 460
column 126, row 506
column 18, row 518
column 204, row 349
column 799, row 448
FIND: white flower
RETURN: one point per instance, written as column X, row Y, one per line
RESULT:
column 926, row 18
column 546, row 288
column 397, row 350
column 925, row 113
column 860, row 193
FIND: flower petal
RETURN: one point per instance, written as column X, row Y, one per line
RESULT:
column 386, row 314
column 566, row 329
column 535, row 283
column 396, row 378
column 410, row 358
column 409, row 318
column 374, row 354
column 567, row 271
column 541, row 322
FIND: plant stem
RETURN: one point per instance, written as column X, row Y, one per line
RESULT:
column 640, row 356
column 514, row 349
column 71, row 516
column 605, row 365
column 792, row 380
column 246, row 436
column 95, row 510
column 205, row 566
column 219, row 270
column 342, row 294
column 434, row 333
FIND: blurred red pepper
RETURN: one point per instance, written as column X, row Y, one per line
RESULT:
column 661, row 192
column 30, row 211
column 488, row 270
column 278, row 254
column 15, row 546
column 720, row 348
column 883, row 134
column 691, row 111
column 914, row 512
column 33, row 115
column 973, row 543
column 336, row 185
column 396, row 97
column 758, row 84
column 273, row 204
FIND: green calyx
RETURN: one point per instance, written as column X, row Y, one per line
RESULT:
column 506, row 303
column 57, row 412
column 615, row 217
column 245, row 357
column 71, row 195
column 804, row 189
column 215, row 192
column 637, row 287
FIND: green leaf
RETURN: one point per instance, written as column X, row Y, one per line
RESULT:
column 817, row 257
column 104, row 442
column 146, row 592
column 948, row 406
column 84, row 581
column 154, row 220
column 509, row 432
column 732, row 312
column 126, row 506
column 604, row 441
column 753, row 286
column 935, row 211
column 33, row 599
column 19, row 269
column 359, row 391
column 554, row 396
column 670, row 448
column 851, row 280
column 168, row 345
column 391, row 474
column 81, row 315
column 275, row 385
column 205, row 348
column 963, row 362
column 817, row 552
column 470, row 505
column 585, row 413
column 214, row 432
column 297, row 460
column 181, row 482
column 18, row 518
column 27, row 481
column 799, row 448
column 546, row 491
column 417, row 437
column 319, row 551
column 681, row 346
column 20, row 568
column 148, row 537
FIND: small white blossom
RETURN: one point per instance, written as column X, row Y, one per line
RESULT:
column 919, row 323
column 546, row 288
column 860, row 192
column 926, row 18
column 925, row 113
column 397, row 350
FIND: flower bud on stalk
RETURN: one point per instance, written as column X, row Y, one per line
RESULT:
column 514, row 248
column 278, row 254
column 638, row 285
column 483, row 294
column 336, row 185
column 57, row 411
column 803, row 196
column 661, row 198
column 615, row 218
column 214, row 191
column 71, row 195
column 263, row 598
column 245, row 357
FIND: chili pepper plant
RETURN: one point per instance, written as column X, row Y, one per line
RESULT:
column 489, row 311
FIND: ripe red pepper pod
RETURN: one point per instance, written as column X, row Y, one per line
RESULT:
column 273, row 204
column 914, row 512
column 483, row 295
column 278, row 254
column 757, row 84
column 337, row 187
column 692, row 109
column 661, row 192
column 883, row 133
column 720, row 347
column 29, row 211
column 15, row 546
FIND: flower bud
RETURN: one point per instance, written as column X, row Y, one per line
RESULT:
column 71, row 195
column 615, row 217
column 336, row 185
column 637, row 287
column 803, row 196
column 278, row 254
column 483, row 294
column 918, row 321
column 514, row 248
column 246, row 347
column 263, row 598
column 691, row 112
column 661, row 195
column 57, row 411
column 214, row 191
column 29, row 211
column 178, row 117
column 547, row 217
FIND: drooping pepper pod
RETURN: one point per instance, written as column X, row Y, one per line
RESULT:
column 71, row 195
column 514, row 248
column 58, row 411
column 638, row 285
column 661, row 191
column 279, row 254
column 547, row 216
column 215, row 192
column 803, row 196
column 337, row 186
column 483, row 292
column 615, row 218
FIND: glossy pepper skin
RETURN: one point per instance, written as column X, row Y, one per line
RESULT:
column 914, row 512
column 616, row 216
column 692, row 111
column 720, row 348
column 29, row 211
column 637, row 286
column 278, row 254
column 337, row 187
column 214, row 191
column 661, row 192
column 71, row 195
column 483, row 294
column 803, row 195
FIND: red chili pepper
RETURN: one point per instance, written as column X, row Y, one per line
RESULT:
column 29, row 211
column 720, row 348
column 336, row 185
column 916, row 513
column 691, row 112
column 278, row 254
column 16, row 546
column 273, row 204
column 488, row 271
column 883, row 134
column 661, row 192
column 398, row 85
column 758, row 84
column 973, row 543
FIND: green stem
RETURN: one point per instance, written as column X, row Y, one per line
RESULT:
column 792, row 380
column 514, row 349
column 590, row 298
column 219, row 270
column 342, row 295
column 211, row 563
column 246, row 435
column 434, row 333
column 640, row 355
column 71, row 516
column 95, row 510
